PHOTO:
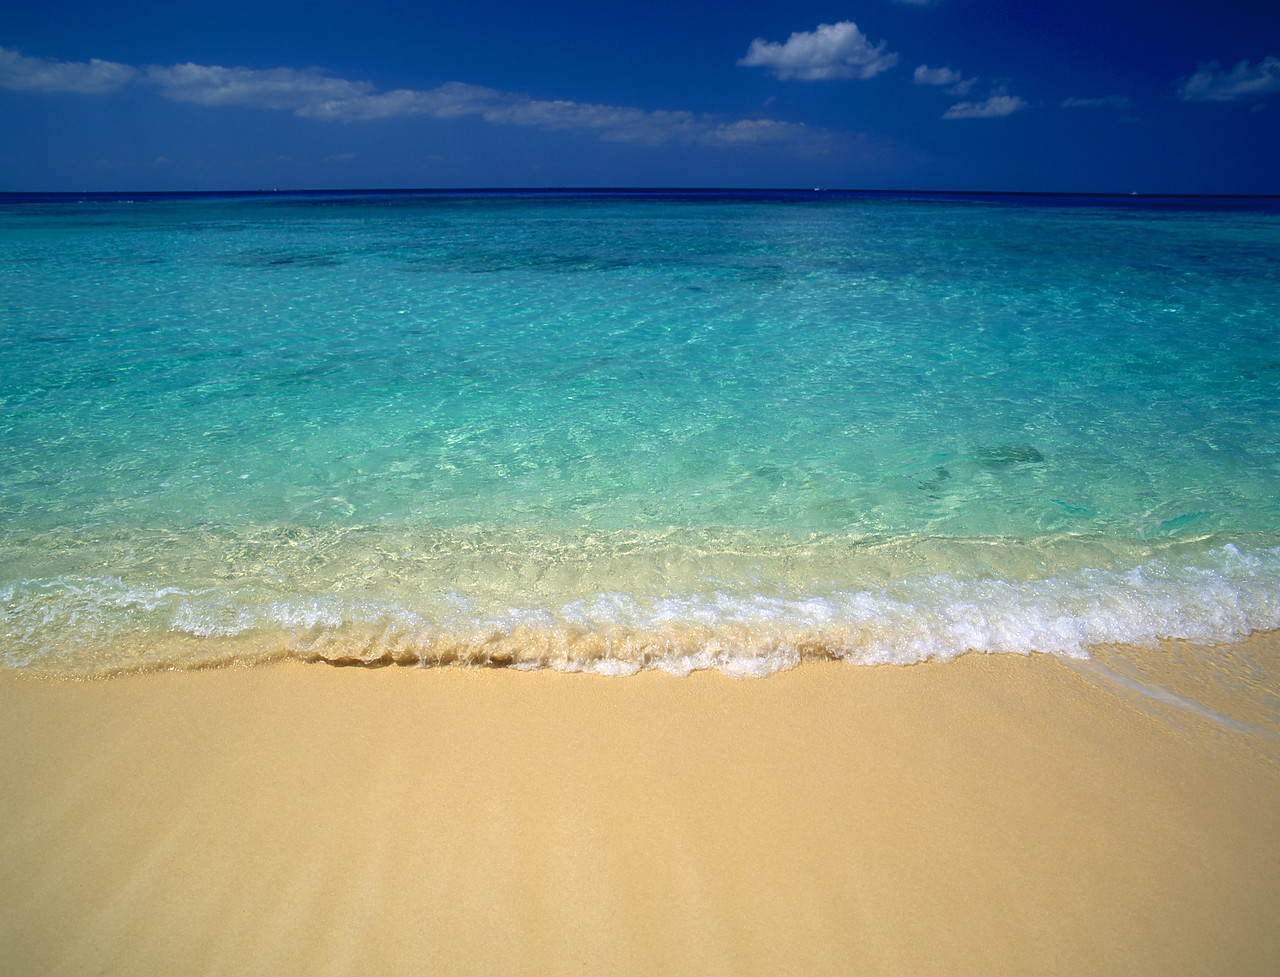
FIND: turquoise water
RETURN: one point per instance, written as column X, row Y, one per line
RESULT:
column 607, row 432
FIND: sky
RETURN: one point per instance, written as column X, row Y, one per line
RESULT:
column 1092, row 96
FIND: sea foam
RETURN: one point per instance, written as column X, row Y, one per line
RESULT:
column 1226, row 594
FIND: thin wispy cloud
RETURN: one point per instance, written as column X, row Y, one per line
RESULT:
column 452, row 100
column 311, row 93
column 999, row 104
column 1103, row 102
column 1211, row 83
column 273, row 88
column 956, row 84
column 832, row 51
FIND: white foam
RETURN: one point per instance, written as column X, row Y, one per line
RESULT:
column 1226, row 593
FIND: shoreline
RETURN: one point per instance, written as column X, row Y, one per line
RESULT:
column 992, row 814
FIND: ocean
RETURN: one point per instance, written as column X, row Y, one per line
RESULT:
column 610, row 431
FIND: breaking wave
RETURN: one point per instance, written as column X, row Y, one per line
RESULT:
column 93, row 625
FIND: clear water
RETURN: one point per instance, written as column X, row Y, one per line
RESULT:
column 618, row 431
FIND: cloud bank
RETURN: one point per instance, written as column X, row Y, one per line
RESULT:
column 833, row 51
column 312, row 94
column 1211, row 84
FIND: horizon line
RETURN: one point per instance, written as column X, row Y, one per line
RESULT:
column 477, row 190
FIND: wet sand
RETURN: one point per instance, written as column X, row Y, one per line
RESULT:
column 994, row 815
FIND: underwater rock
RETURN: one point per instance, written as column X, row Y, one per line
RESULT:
column 1004, row 455
column 272, row 258
column 772, row 474
column 940, row 475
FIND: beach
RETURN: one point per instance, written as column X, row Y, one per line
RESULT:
column 655, row 582
column 992, row 814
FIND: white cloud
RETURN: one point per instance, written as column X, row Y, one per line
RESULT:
column 956, row 83
column 1105, row 102
column 272, row 88
column 924, row 75
column 615, row 123
column 832, row 51
column 451, row 100
column 997, row 105
column 312, row 94
column 48, row 75
column 755, row 131
column 1211, row 84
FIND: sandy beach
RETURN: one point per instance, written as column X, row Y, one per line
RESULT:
column 993, row 815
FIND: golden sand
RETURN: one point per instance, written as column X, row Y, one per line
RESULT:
column 993, row 815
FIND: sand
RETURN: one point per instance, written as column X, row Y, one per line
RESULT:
column 992, row 815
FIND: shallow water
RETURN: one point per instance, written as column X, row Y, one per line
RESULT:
column 618, row 431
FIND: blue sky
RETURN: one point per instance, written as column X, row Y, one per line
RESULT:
column 1086, row 96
